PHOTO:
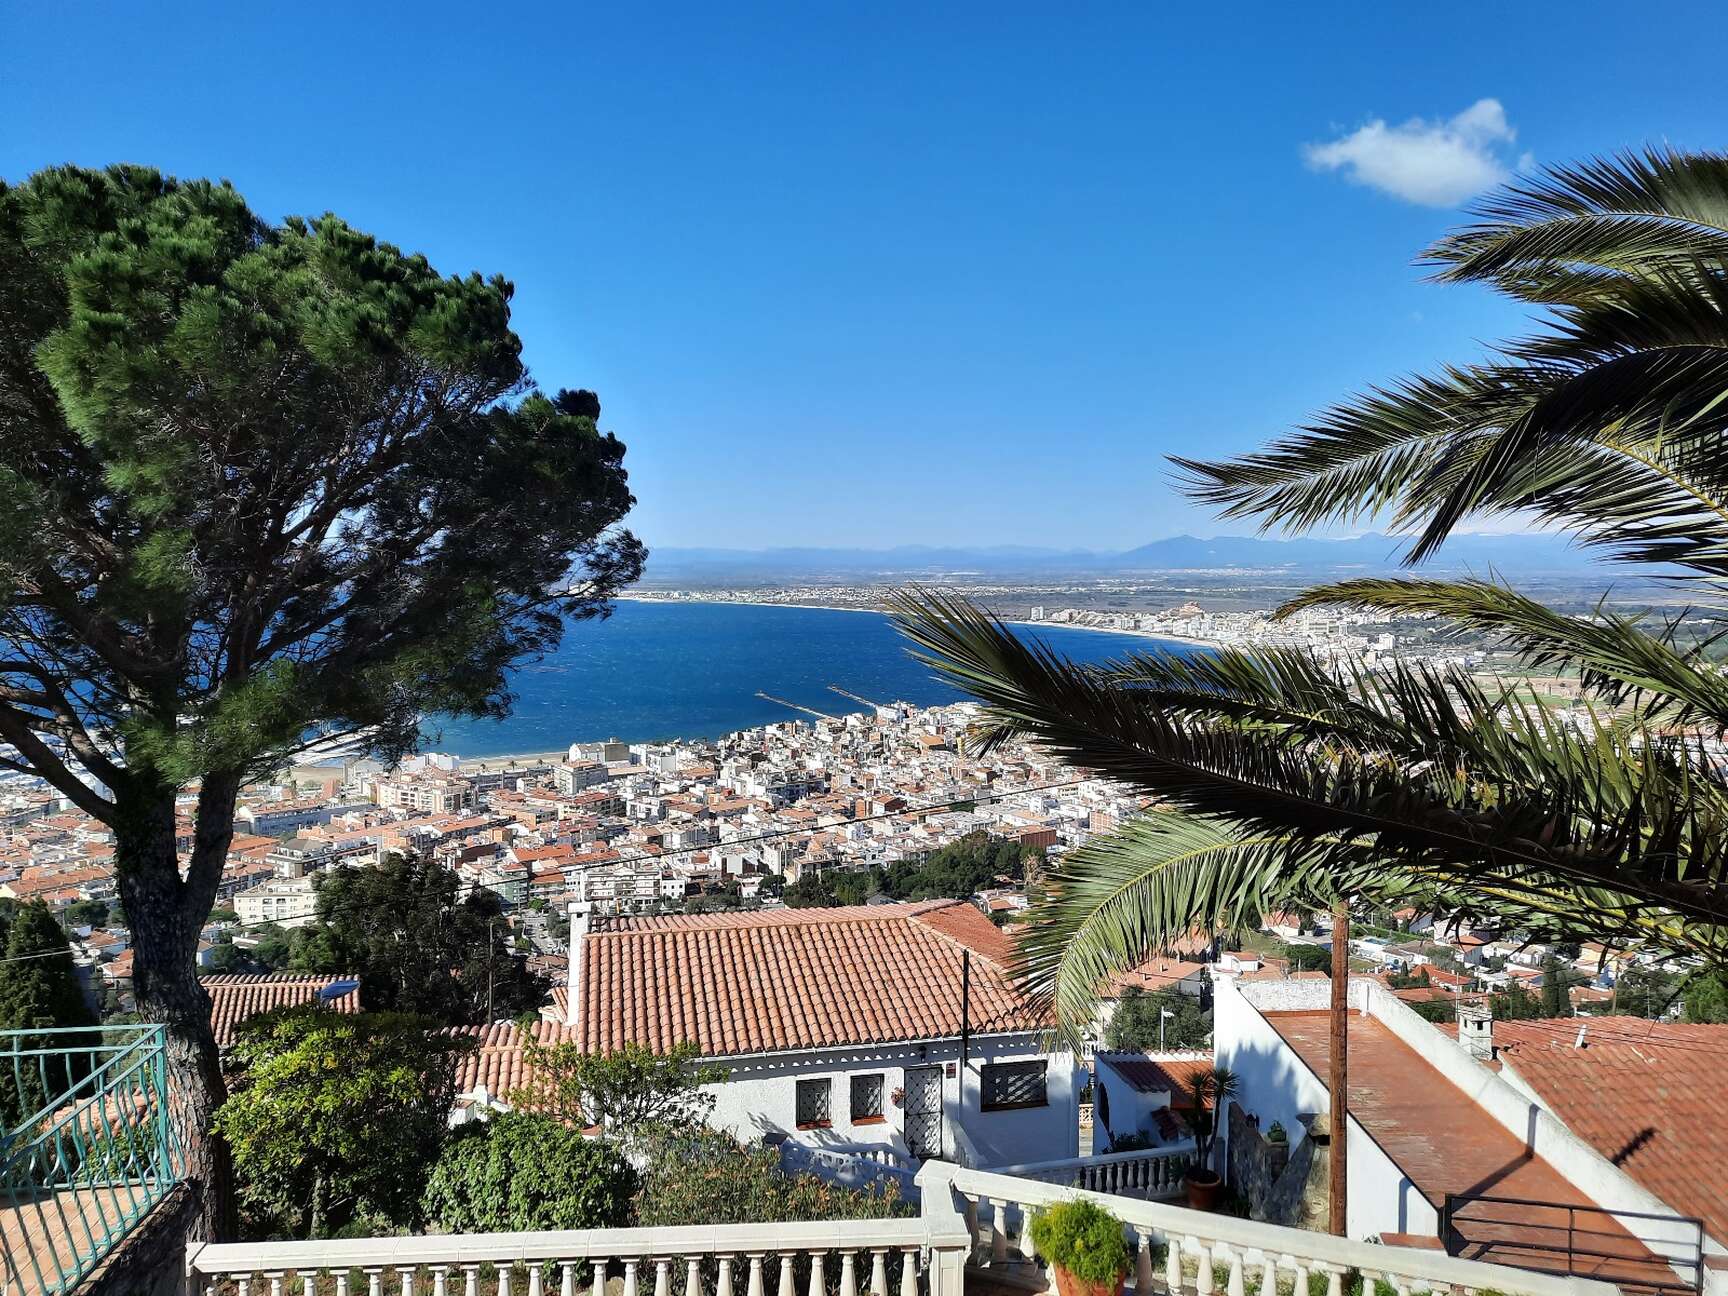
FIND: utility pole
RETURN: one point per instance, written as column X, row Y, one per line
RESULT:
column 1338, row 1196
column 489, row 943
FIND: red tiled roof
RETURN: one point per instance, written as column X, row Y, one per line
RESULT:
column 234, row 999
column 1174, row 1076
column 1646, row 1095
column 497, row 1059
column 1444, row 1143
column 796, row 978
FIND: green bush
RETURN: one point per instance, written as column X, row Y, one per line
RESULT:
column 703, row 1176
column 1084, row 1239
column 521, row 1174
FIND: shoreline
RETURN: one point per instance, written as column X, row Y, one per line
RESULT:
column 507, row 760
column 829, row 607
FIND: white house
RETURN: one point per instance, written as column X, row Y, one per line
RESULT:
column 883, row 1025
column 1608, row 1128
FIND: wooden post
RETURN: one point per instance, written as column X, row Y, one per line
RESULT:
column 1338, row 1197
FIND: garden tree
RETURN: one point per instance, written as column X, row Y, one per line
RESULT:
column 420, row 940
column 623, row 1092
column 1643, row 990
column 1290, row 782
column 829, row 888
column 1515, row 1003
column 1134, row 1026
column 39, row 989
column 335, row 1117
column 959, row 869
column 1557, row 983
column 259, row 485
column 520, row 1173
column 1706, row 997
column 1308, row 958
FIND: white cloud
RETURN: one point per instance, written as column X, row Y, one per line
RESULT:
column 1435, row 163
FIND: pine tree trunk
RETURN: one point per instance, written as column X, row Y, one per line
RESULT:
column 165, row 917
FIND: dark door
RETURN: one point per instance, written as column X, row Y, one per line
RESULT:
column 924, row 1111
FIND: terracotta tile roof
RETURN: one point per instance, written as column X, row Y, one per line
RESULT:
column 1173, row 1076
column 1646, row 1095
column 796, row 978
column 1444, row 1143
column 497, row 1059
column 234, row 999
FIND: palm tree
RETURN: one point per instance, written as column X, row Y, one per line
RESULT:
column 1283, row 781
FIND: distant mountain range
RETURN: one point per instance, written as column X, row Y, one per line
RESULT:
column 1508, row 555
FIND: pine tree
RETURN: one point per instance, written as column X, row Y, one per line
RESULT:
column 39, row 990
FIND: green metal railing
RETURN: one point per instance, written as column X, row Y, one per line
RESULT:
column 88, row 1149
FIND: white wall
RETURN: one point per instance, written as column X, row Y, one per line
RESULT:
column 760, row 1098
column 1277, row 1085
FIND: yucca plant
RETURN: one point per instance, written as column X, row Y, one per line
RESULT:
column 1285, row 781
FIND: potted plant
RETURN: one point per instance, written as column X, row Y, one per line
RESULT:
column 1084, row 1244
column 1277, row 1134
column 1209, row 1090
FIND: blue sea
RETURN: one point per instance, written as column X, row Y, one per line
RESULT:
column 692, row 670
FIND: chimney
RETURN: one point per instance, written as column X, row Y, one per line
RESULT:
column 1476, row 1028
column 579, row 918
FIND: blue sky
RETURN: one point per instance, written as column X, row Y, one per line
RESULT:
column 882, row 274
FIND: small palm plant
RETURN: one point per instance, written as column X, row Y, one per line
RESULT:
column 1209, row 1090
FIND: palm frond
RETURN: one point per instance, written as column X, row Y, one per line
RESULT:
column 1616, row 658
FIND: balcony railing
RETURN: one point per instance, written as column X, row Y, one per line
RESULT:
column 971, row 1223
column 1148, row 1173
column 88, row 1150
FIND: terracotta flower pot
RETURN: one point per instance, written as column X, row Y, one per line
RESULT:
column 1068, row 1285
column 1203, row 1190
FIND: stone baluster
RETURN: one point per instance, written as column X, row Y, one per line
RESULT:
column 693, row 1276
column 1335, row 1281
column 723, row 1287
column 243, row 1285
column 1268, row 1274
column 471, row 1284
column 375, row 1283
column 1301, row 1266
column 848, row 1273
column 998, row 1231
column 662, row 1276
column 537, row 1280
column 969, row 1205
column 1203, row 1281
column 818, row 1283
column 440, row 1280
column 567, row 1278
column 909, row 1272
column 275, row 1280
column 1143, row 1262
column 788, row 1281
column 1236, row 1284
column 879, row 1272
column 1173, row 1262
column 597, row 1287
column 753, row 1285
column 505, row 1271
column 632, row 1277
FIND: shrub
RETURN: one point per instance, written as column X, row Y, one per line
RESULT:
column 519, row 1173
column 704, row 1176
column 1084, row 1239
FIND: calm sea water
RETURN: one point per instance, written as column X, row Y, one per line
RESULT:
column 692, row 670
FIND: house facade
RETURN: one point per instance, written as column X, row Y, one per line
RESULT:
column 1529, row 1150
column 878, row 1026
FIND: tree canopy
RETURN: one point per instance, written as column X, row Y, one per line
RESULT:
column 260, row 484
column 39, row 988
column 335, row 1117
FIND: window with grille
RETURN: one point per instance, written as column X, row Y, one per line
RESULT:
column 1007, row 1085
column 813, row 1102
column 867, row 1097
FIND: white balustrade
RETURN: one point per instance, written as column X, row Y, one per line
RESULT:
column 718, row 1260
column 1146, row 1172
column 969, row 1217
column 1204, row 1252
